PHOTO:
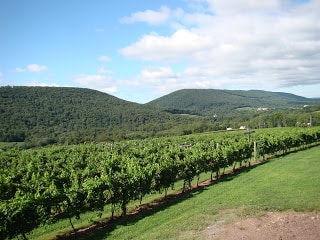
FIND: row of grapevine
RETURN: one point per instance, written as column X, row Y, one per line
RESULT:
column 272, row 142
column 40, row 186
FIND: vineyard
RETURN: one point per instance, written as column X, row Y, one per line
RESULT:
column 41, row 186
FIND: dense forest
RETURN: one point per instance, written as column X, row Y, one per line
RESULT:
column 40, row 116
column 73, row 114
column 222, row 102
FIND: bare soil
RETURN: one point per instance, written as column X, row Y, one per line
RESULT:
column 265, row 226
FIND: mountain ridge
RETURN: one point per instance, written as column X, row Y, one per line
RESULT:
column 48, row 115
column 65, row 112
column 214, row 101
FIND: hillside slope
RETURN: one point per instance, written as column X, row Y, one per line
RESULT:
column 39, row 116
column 212, row 101
column 60, row 114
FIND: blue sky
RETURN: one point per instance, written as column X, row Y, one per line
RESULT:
column 141, row 50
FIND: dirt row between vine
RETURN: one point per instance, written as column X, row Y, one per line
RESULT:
column 270, row 225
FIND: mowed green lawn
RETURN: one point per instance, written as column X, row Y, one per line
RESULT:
column 290, row 182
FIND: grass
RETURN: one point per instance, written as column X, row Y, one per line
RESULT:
column 89, row 218
column 290, row 182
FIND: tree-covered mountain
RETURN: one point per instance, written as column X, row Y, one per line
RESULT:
column 212, row 101
column 56, row 114
column 46, row 115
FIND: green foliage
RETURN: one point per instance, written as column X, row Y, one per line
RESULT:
column 42, row 185
column 41, row 116
column 286, row 183
column 222, row 102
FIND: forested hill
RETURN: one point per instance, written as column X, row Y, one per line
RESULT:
column 39, row 116
column 212, row 101
column 55, row 114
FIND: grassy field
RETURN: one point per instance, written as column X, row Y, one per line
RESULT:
column 290, row 182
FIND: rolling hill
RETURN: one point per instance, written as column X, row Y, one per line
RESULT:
column 39, row 116
column 56, row 114
column 212, row 101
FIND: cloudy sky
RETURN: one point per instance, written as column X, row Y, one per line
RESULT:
column 141, row 50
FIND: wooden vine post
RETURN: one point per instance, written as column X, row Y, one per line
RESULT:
column 254, row 145
column 249, row 133
column 255, row 150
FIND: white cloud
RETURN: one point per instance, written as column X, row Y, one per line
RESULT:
column 157, row 76
column 18, row 69
column 153, row 47
column 32, row 68
column 164, row 79
column 110, row 90
column 149, row 16
column 48, row 85
column 35, row 83
column 1, row 77
column 231, row 7
column 104, row 59
column 246, row 43
column 157, row 72
column 87, row 80
column 101, row 81
column 103, row 70
column 96, row 81
column 36, row 68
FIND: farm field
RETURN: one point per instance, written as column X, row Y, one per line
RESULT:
column 273, row 191
column 48, row 192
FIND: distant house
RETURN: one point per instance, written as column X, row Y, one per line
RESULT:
column 262, row 109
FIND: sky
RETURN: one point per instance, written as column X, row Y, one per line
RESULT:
column 141, row 50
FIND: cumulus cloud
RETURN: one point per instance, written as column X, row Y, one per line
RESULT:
column 101, row 81
column 253, row 44
column 32, row 68
column 36, row 83
column 88, row 80
column 1, row 78
column 155, row 79
column 36, row 68
column 163, row 79
column 96, row 81
column 231, row 7
column 103, row 70
column 153, row 47
column 104, row 59
column 149, row 16
column 18, row 69
column 157, row 73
